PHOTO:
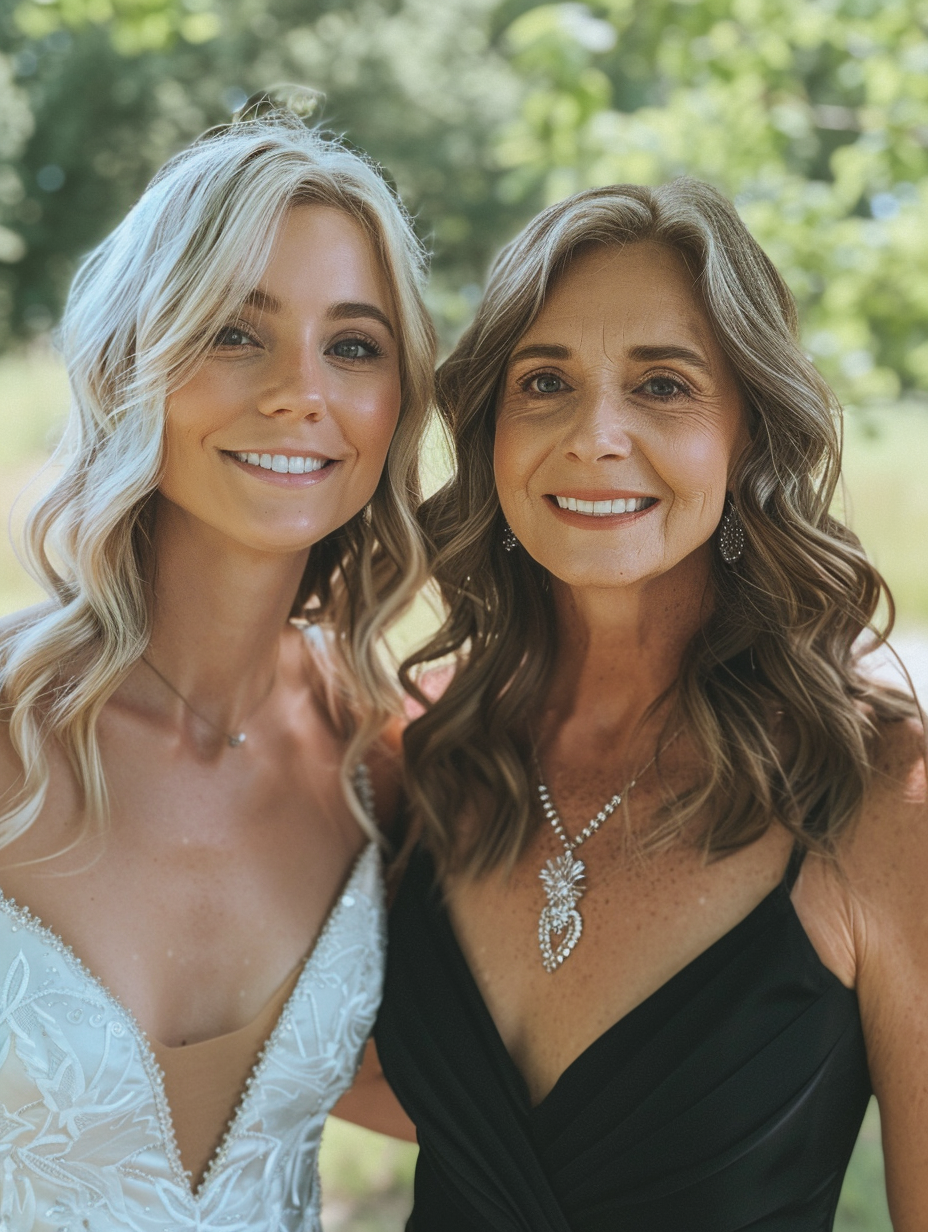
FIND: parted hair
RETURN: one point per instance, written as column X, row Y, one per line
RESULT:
column 141, row 315
column 770, row 690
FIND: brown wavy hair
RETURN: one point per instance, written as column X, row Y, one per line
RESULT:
column 770, row 690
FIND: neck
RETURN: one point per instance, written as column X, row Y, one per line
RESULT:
column 620, row 648
column 219, row 611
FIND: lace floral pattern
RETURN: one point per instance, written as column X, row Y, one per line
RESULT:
column 86, row 1141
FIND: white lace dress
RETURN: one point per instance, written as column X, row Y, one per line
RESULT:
column 86, row 1142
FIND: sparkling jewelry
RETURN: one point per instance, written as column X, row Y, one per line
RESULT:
column 510, row 542
column 731, row 533
column 234, row 740
column 562, row 878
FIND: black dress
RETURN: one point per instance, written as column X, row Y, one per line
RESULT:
column 730, row 1099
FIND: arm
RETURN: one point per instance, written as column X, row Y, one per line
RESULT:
column 886, row 870
column 372, row 1104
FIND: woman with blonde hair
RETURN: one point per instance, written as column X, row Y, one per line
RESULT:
column 617, row 996
column 191, row 923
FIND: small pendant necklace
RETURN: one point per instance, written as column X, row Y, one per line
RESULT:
column 234, row 740
column 562, row 878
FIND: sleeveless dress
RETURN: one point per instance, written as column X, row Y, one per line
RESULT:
column 729, row 1100
column 86, row 1140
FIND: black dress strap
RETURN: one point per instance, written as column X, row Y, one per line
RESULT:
column 796, row 857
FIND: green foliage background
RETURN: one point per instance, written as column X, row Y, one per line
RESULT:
column 813, row 114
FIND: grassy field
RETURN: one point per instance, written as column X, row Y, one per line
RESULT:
column 367, row 1178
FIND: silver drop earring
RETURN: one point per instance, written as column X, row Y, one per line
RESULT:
column 731, row 533
column 510, row 542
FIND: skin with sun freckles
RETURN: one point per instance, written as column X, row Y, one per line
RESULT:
column 619, row 391
column 221, row 864
column 296, row 373
column 627, row 399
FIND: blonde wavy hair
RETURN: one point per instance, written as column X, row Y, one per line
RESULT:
column 770, row 690
column 141, row 315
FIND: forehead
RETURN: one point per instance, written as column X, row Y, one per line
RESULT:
column 318, row 247
column 642, row 292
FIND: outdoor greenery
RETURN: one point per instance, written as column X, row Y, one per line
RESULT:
column 367, row 1178
column 813, row 114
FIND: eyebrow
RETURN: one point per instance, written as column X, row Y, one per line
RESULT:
column 346, row 310
column 541, row 352
column 263, row 301
column 643, row 354
column 350, row 310
column 654, row 354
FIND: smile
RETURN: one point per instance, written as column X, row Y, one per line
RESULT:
column 605, row 508
column 282, row 463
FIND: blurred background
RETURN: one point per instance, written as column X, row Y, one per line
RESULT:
column 811, row 114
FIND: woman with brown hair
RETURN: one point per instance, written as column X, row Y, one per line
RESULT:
column 666, row 919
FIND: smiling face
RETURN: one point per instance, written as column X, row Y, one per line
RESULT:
column 282, row 433
column 620, row 422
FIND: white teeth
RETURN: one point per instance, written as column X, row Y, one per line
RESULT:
column 603, row 508
column 281, row 463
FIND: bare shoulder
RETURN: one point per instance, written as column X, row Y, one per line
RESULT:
column 887, row 849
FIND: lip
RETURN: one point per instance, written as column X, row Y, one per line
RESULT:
column 278, row 478
column 608, row 521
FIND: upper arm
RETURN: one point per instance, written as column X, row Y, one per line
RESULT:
column 885, row 863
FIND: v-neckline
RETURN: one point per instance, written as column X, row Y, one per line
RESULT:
column 778, row 892
column 26, row 919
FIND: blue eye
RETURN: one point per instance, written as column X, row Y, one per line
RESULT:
column 234, row 337
column 664, row 387
column 546, row 383
column 354, row 348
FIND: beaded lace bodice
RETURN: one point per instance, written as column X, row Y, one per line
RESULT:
column 86, row 1141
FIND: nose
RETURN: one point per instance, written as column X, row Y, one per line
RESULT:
column 599, row 428
column 296, row 386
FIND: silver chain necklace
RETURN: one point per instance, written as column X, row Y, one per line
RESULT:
column 234, row 740
column 562, row 878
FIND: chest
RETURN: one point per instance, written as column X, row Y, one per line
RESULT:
column 206, row 888
column 641, row 921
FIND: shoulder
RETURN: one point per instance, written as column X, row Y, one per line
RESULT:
column 883, row 859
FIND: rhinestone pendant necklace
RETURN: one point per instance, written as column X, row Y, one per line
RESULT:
column 563, row 878
column 234, row 740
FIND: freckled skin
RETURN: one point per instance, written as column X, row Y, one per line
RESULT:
column 218, row 866
column 629, row 595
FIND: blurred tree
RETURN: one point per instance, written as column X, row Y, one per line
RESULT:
column 813, row 114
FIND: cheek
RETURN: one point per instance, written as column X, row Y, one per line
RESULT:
column 370, row 423
column 517, row 452
column 695, row 463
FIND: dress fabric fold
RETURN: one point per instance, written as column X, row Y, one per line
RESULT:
column 729, row 1100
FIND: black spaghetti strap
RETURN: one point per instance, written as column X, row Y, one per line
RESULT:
column 796, row 857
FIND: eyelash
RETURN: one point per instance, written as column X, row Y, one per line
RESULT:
column 372, row 346
column 682, row 389
column 376, row 351
column 234, row 328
